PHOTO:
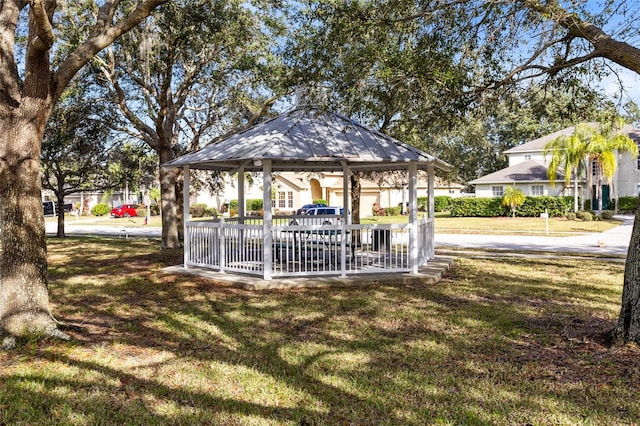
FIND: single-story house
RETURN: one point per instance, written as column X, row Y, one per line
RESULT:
column 293, row 190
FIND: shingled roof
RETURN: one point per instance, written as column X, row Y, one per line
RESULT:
column 308, row 139
column 527, row 171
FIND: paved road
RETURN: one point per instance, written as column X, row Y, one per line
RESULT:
column 612, row 242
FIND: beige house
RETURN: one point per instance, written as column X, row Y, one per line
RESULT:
column 293, row 190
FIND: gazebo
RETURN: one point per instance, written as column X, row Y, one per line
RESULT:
column 308, row 139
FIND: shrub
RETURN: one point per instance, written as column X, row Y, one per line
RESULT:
column 423, row 203
column 211, row 211
column 571, row 216
column 587, row 216
column 392, row 211
column 376, row 210
column 627, row 204
column 477, row 207
column 607, row 214
column 233, row 205
column 197, row 210
column 254, row 204
column 319, row 201
column 101, row 209
column 441, row 203
column 233, row 212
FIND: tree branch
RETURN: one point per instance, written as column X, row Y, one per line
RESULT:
column 44, row 36
column 10, row 83
column 103, row 35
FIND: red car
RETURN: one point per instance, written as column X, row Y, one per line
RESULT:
column 125, row 210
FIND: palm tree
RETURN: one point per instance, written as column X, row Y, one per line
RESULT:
column 591, row 144
column 513, row 198
column 603, row 148
column 568, row 153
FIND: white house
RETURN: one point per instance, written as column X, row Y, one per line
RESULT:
column 527, row 171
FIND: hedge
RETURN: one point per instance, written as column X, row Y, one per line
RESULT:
column 492, row 207
column 254, row 204
column 627, row 204
column 440, row 203
column 477, row 207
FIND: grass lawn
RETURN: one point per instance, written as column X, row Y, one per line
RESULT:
column 558, row 227
column 444, row 224
column 498, row 341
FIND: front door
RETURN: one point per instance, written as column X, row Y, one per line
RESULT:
column 605, row 202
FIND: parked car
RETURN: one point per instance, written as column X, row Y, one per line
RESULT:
column 49, row 208
column 303, row 209
column 333, row 215
column 125, row 210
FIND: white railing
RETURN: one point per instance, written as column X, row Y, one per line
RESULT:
column 313, row 246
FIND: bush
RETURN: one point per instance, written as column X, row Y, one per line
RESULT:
column 254, row 204
column 627, row 204
column 197, row 210
column 233, row 205
column 423, row 203
column 607, row 215
column 211, row 211
column 319, row 201
column 587, row 216
column 441, row 203
column 492, row 207
column 477, row 207
column 392, row 211
column 571, row 216
column 376, row 210
column 101, row 209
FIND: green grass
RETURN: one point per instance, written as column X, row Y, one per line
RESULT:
column 497, row 341
column 504, row 225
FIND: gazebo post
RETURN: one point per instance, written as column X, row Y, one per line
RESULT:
column 346, row 176
column 241, row 201
column 267, row 220
column 413, row 217
column 186, row 215
column 432, row 210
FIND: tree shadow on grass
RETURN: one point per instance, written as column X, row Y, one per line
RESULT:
column 375, row 355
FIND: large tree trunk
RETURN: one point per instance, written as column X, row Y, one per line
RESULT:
column 24, row 297
column 168, row 201
column 628, row 327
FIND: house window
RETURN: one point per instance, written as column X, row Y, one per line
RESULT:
column 527, row 157
column 537, row 190
column 285, row 199
column 498, row 191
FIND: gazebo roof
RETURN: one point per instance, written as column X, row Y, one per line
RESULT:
column 308, row 139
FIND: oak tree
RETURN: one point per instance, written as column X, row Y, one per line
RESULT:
column 30, row 85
